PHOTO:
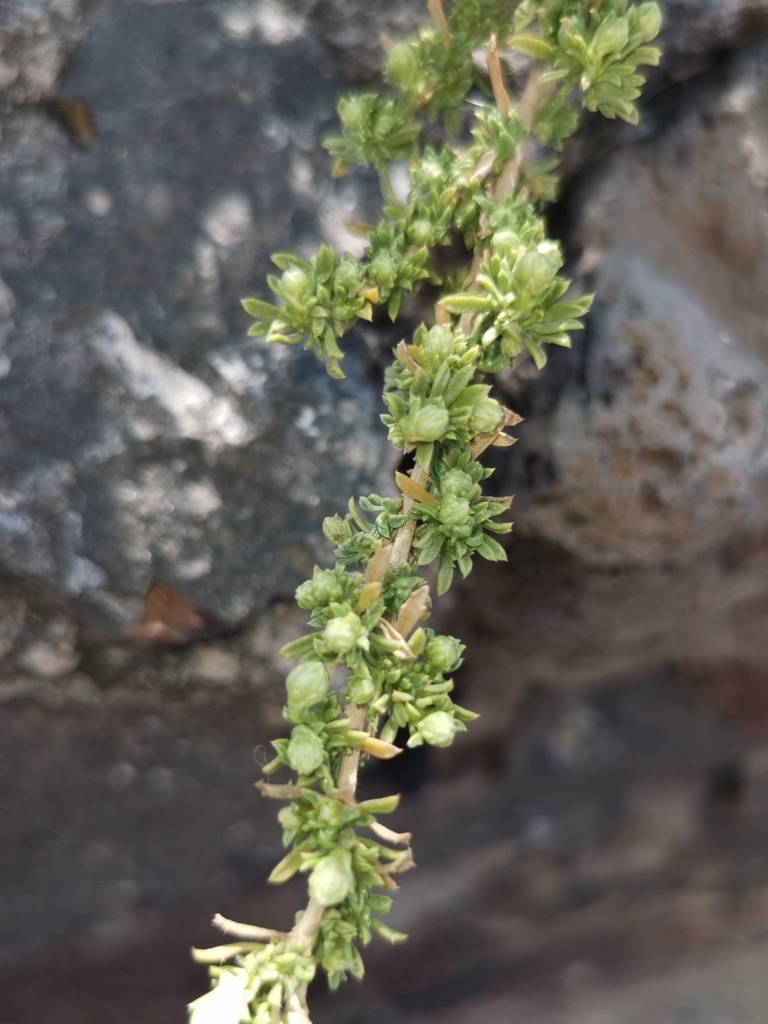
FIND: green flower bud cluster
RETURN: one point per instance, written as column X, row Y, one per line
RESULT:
column 374, row 131
column 261, row 983
column 432, row 399
column 322, row 301
column 328, row 586
column 398, row 255
column 598, row 47
column 335, row 949
column 517, row 306
column 456, row 529
column 343, row 868
column 316, row 743
column 415, row 694
column 498, row 134
column 317, row 821
column 356, row 540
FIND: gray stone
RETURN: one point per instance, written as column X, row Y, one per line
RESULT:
column 35, row 39
column 143, row 435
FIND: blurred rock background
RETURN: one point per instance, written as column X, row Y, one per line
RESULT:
column 595, row 849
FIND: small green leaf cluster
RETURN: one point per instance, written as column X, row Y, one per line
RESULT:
column 457, row 528
column 433, row 399
column 355, row 540
column 516, row 305
column 322, row 301
column 597, row 47
column 340, row 928
column 257, row 985
column 415, row 693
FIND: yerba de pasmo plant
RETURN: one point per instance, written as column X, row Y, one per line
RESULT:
column 485, row 186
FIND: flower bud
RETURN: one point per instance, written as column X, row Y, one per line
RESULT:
column 362, row 689
column 438, row 729
column 456, row 484
column 402, row 67
column 332, row 879
column 610, row 38
column 287, row 818
column 383, row 270
column 353, row 113
column 330, row 813
column 305, row 750
column 454, row 511
column 295, row 284
column 342, row 633
column 323, row 588
column 443, row 653
column 305, row 596
column 648, row 20
column 428, row 423
column 347, row 277
column 306, row 684
column 438, row 344
column 534, row 272
column 336, row 530
column 486, row 416
column 420, row 232
column 505, row 241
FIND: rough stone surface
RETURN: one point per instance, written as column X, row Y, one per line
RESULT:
column 140, row 431
column 657, row 451
column 36, row 37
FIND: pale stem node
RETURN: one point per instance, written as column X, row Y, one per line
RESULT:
column 246, row 931
column 311, row 918
column 497, row 79
column 415, row 609
column 404, row 357
column 533, row 94
column 437, row 14
column 402, row 838
column 277, row 792
column 220, row 954
column 404, row 537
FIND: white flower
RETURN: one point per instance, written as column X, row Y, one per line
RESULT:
column 225, row 1004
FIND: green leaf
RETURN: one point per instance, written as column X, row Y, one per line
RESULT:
column 325, row 263
column 259, row 329
column 647, row 55
column 567, row 310
column 492, row 550
column 260, row 310
column 459, row 380
column 387, row 933
column 286, row 869
column 424, row 455
column 531, row 46
column 298, row 648
column 464, row 303
column 445, row 572
column 285, row 261
column 553, row 76
column 430, row 548
column 465, row 564
column 537, row 352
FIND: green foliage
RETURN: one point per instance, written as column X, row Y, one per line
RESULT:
column 392, row 676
